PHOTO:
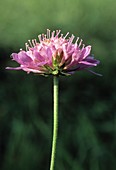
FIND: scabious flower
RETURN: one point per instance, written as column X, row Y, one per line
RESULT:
column 54, row 54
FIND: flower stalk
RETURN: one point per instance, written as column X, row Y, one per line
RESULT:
column 55, row 124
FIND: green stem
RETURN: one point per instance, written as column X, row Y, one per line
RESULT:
column 55, row 127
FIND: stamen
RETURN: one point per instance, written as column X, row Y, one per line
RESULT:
column 43, row 36
column 33, row 42
column 48, row 33
column 30, row 43
column 71, row 39
column 66, row 35
column 76, row 40
column 61, row 36
column 40, row 38
column 83, row 46
column 80, row 42
column 53, row 34
column 27, row 46
column 57, row 32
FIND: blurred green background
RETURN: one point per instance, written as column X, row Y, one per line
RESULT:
column 87, row 116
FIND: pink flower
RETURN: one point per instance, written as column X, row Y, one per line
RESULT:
column 54, row 54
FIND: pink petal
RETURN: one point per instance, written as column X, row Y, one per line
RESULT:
column 13, row 68
column 21, row 57
column 87, row 63
column 85, row 52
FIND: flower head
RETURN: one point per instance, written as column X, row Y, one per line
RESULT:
column 54, row 54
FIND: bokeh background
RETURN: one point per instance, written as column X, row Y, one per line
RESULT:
column 87, row 116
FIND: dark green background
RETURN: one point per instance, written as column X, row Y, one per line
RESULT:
column 87, row 116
